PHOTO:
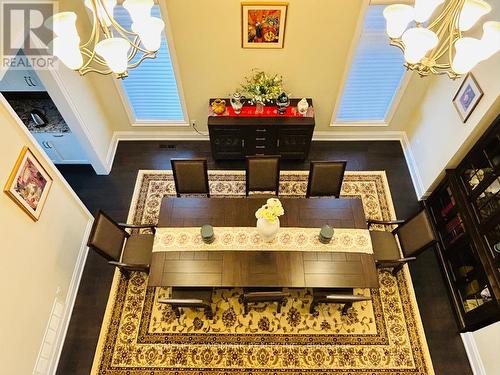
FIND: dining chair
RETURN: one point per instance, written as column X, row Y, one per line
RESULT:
column 190, row 176
column 262, row 174
column 335, row 296
column 413, row 235
column 128, row 252
column 325, row 178
column 192, row 298
column 258, row 295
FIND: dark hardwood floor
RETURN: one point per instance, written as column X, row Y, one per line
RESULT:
column 113, row 194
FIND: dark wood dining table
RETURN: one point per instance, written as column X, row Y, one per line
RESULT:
column 262, row 268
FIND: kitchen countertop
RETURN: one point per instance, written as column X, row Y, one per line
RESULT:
column 24, row 106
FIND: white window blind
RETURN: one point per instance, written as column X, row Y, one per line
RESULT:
column 375, row 74
column 151, row 88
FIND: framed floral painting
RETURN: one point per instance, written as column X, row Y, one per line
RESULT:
column 29, row 184
column 467, row 97
column 263, row 24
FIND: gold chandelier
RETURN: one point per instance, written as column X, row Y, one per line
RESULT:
column 438, row 46
column 110, row 48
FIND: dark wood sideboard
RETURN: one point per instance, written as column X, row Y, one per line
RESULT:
column 466, row 212
column 234, row 137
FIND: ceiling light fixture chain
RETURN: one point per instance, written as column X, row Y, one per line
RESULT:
column 438, row 46
column 110, row 47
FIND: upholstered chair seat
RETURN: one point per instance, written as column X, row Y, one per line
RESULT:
column 137, row 249
column 192, row 298
column 263, row 295
column 128, row 252
column 414, row 235
column 343, row 297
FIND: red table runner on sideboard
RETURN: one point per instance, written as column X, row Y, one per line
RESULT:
column 269, row 111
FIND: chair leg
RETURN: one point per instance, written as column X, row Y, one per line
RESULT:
column 312, row 308
column 346, row 308
column 278, row 309
column 178, row 312
column 208, row 312
column 396, row 269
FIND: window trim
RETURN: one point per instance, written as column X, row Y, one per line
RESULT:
column 350, row 58
column 175, row 66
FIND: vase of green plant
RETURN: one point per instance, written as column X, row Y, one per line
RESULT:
column 262, row 88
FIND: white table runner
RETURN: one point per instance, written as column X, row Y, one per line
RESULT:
column 247, row 238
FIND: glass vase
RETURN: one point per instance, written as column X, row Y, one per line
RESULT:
column 259, row 107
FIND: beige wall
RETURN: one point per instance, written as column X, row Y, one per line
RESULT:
column 39, row 257
column 488, row 343
column 207, row 40
column 438, row 137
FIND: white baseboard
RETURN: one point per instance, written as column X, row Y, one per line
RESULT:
column 475, row 361
column 190, row 135
column 55, row 334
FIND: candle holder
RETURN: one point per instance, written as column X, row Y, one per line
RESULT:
column 326, row 234
column 207, row 233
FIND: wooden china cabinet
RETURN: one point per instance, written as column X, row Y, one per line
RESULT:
column 236, row 136
column 466, row 214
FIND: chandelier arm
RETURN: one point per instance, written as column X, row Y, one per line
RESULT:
column 88, row 70
column 94, row 31
column 93, row 57
column 143, row 57
column 448, row 8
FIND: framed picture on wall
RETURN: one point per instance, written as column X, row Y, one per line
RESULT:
column 263, row 24
column 28, row 184
column 467, row 97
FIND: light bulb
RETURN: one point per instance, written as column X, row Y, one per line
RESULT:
column 63, row 24
column 101, row 12
column 417, row 42
column 425, row 8
column 139, row 10
column 398, row 16
column 471, row 12
column 468, row 53
column 115, row 52
column 490, row 42
column 68, row 51
column 150, row 32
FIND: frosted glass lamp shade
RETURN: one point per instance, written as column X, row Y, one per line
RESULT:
column 68, row 51
column 397, row 17
column 468, row 53
column 139, row 10
column 490, row 42
column 63, row 24
column 425, row 8
column 101, row 12
column 150, row 32
column 115, row 52
column 471, row 12
column 417, row 42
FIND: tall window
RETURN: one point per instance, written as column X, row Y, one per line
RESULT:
column 374, row 76
column 151, row 88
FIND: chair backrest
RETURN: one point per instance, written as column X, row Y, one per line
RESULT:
column 190, row 176
column 263, row 173
column 107, row 237
column 416, row 234
column 325, row 178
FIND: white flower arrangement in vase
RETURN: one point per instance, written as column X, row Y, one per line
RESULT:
column 268, row 222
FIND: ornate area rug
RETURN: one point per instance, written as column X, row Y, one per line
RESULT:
column 381, row 336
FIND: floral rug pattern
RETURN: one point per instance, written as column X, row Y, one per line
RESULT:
column 381, row 336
